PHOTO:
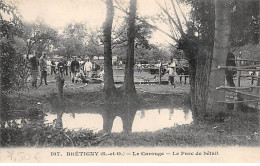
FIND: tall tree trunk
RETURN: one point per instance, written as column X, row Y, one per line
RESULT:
column 204, row 78
column 221, row 44
column 109, row 86
column 199, row 54
column 200, row 69
column 129, row 86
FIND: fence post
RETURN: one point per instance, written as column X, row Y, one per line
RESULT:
column 237, row 96
column 239, row 74
column 160, row 75
column 252, row 81
column 256, row 90
column 258, row 81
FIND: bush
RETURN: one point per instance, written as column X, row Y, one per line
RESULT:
column 36, row 133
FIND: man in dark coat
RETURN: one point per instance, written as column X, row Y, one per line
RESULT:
column 61, row 67
column 229, row 72
column 74, row 68
column 33, row 69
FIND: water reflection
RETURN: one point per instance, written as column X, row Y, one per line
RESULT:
column 58, row 121
column 117, row 121
column 79, row 121
column 155, row 120
column 117, row 125
column 171, row 113
column 142, row 114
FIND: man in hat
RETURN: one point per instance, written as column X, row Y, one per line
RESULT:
column 74, row 68
column 61, row 66
column 43, row 67
column 88, row 68
column 230, row 61
column 172, row 73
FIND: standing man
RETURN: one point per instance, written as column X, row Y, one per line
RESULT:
column 88, row 68
column 69, row 69
column 43, row 67
column 172, row 73
column 66, row 67
column 229, row 72
column 61, row 67
column 95, row 68
column 53, row 70
column 74, row 68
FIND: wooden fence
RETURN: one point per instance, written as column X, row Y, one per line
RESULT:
column 246, row 93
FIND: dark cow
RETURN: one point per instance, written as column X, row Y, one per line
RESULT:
column 156, row 71
column 183, row 71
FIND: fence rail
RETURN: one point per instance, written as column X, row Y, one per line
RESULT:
column 244, row 94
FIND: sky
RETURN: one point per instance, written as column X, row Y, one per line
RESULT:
column 59, row 13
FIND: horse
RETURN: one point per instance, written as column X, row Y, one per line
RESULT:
column 183, row 71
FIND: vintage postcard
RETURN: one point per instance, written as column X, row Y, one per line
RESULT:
column 130, row 81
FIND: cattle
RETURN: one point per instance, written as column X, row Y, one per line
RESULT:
column 156, row 71
column 183, row 71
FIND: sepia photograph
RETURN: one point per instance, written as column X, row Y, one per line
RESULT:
column 145, row 81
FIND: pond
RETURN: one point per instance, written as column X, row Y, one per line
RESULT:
column 149, row 120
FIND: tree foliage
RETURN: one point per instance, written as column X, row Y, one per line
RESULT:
column 38, row 37
column 72, row 42
column 244, row 17
column 12, row 63
column 245, row 22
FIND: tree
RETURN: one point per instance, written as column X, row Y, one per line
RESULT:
column 207, row 78
column 119, row 39
column 12, row 63
column 129, row 86
column 38, row 37
column 196, row 43
column 72, row 42
column 245, row 22
column 95, row 45
column 109, row 86
column 221, row 44
column 142, row 34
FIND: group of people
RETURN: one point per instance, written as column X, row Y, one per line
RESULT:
column 74, row 68
column 33, row 65
column 89, row 69
column 86, row 70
